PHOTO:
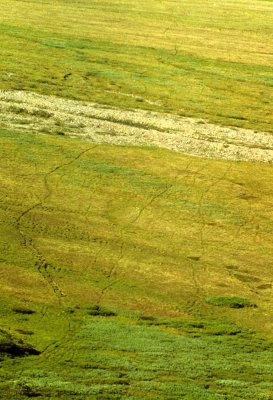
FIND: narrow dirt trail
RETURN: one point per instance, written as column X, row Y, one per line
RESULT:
column 21, row 110
column 43, row 266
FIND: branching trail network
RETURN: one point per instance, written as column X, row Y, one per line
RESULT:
column 44, row 267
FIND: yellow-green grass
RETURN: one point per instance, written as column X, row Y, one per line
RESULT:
column 161, row 229
column 194, row 58
column 138, row 273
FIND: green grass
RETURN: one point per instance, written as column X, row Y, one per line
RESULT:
column 190, row 58
column 232, row 302
column 124, row 358
column 135, row 272
column 122, row 266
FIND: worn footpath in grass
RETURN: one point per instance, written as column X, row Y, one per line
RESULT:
column 134, row 272
column 204, row 59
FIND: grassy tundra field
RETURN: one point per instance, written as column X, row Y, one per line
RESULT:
column 194, row 58
column 135, row 272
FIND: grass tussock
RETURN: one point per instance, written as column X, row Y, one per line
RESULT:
column 232, row 302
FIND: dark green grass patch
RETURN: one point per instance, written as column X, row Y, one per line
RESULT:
column 96, row 310
column 119, row 358
column 232, row 302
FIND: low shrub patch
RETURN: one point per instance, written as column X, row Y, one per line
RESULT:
column 229, row 301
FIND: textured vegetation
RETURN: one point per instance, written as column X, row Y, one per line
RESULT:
column 195, row 58
column 135, row 272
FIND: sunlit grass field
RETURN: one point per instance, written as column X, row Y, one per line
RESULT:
column 194, row 58
column 136, row 272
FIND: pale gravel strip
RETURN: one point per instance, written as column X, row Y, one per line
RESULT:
column 102, row 124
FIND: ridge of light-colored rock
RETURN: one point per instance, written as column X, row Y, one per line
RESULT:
column 94, row 122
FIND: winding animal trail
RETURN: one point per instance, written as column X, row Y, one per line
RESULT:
column 21, row 110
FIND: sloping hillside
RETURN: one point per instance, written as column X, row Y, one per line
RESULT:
column 136, row 218
column 122, row 265
column 211, row 60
